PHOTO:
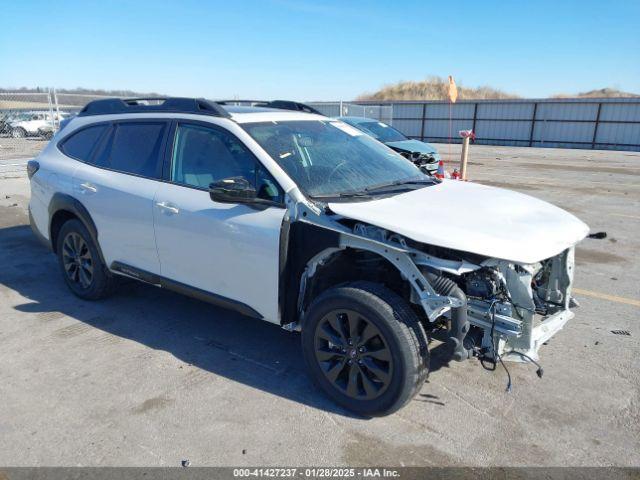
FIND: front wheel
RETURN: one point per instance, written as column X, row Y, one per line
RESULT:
column 18, row 132
column 365, row 347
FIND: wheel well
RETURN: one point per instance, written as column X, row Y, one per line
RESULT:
column 351, row 265
column 59, row 219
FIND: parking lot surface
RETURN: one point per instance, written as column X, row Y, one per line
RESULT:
column 12, row 148
column 150, row 378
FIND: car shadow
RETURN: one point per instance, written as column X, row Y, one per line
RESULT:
column 441, row 355
column 243, row 349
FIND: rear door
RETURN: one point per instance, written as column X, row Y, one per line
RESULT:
column 118, row 185
column 230, row 250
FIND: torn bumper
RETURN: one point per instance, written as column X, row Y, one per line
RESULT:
column 538, row 309
column 532, row 339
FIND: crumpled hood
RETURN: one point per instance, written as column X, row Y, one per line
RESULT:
column 473, row 218
column 413, row 146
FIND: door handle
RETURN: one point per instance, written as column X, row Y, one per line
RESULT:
column 167, row 207
column 87, row 187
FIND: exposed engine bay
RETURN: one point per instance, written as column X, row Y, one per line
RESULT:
column 511, row 309
column 489, row 308
column 519, row 307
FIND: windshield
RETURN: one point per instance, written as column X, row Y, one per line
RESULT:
column 328, row 158
column 382, row 132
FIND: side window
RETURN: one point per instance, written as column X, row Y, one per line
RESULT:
column 203, row 155
column 134, row 147
column 266, row 186
column 80, row 145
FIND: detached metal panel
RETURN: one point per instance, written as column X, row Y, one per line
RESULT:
column 411, row 128
column 625, row 112
column 505, row 111
column 564, row 132
column 402, row 110
column 567, row 111
column 502, row 130
column 441, row 110
column 438, row 130
column 613, row 134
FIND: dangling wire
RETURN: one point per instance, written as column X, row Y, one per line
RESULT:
column 496, row 355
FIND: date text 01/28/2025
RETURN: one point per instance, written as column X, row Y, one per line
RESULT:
column 316, row 472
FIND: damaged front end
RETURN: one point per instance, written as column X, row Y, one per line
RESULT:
column 427, row 162
column 509, row 309
column 519, row 307
column 490, row 307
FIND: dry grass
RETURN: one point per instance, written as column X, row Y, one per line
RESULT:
column 22, row 105
column 432, row 88
column 436, row 88
column 600, row 93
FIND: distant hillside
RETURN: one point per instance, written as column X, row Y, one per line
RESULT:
column 433, row 88
column 436, row 88
column 601, row 93
column 83, row 91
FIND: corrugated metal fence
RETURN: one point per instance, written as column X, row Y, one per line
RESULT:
column 609, row 123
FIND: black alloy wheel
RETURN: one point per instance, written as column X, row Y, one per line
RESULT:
column 81, row 263
column 353, row 354
column 365, row 348
column 77, row 260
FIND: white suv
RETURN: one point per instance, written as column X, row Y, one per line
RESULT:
column 308, row 223
column 34, row 123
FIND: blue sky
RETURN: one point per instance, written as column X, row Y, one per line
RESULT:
column 313, row 50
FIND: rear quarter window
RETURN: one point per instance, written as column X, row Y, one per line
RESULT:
column 80, row 145
column 134, row 147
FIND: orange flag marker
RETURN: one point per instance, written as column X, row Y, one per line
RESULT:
column 453, row 90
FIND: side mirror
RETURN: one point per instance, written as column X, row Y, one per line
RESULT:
column 232, row 190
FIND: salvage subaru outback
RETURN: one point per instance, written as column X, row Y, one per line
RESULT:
column 308, row 223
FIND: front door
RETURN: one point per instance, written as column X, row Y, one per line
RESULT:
column 230, row 250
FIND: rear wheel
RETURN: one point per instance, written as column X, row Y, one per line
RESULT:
column 80, row 262
column 365, row 348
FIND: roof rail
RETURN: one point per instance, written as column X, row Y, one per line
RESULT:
column 281, row 104
column 109, row 106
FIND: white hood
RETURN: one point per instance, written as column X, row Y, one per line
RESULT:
column 473, row 218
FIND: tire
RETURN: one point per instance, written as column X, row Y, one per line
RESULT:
column 18, row 132
column 390, row 365
column 89, row 278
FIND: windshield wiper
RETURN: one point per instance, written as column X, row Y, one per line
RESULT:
column 342, row 195
column 378, row 189
column 399, row 183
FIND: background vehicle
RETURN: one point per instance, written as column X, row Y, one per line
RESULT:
column 28, row 123
column 308, row 223
column 422, row 154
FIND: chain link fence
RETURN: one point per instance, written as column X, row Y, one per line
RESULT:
column 29, row 119
column 384, row 113
column 26, row 121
